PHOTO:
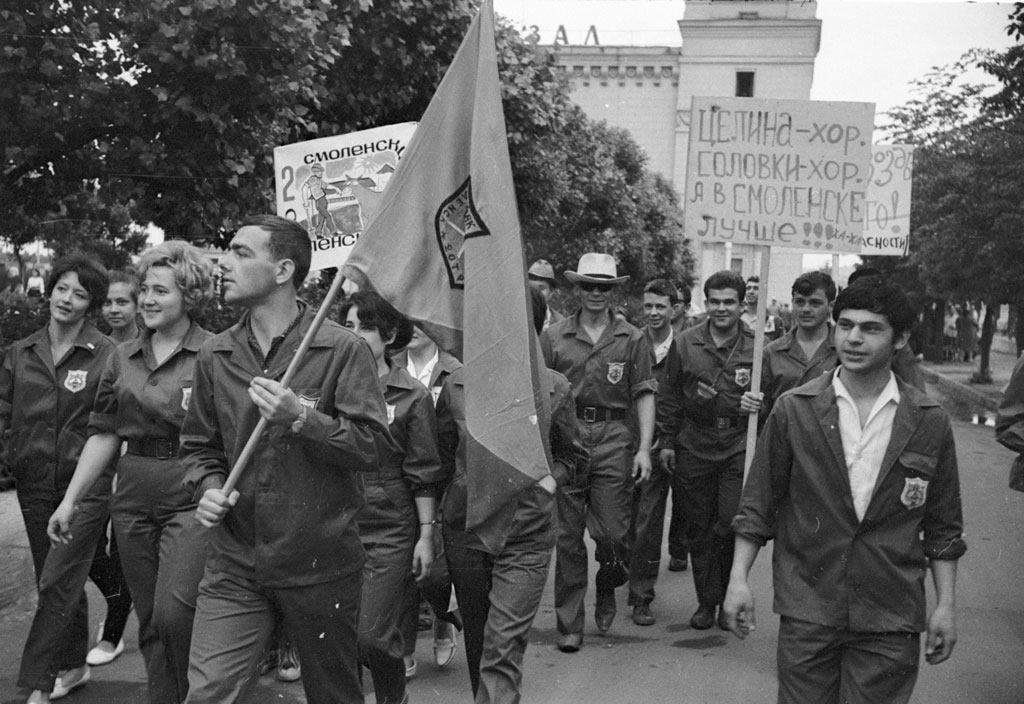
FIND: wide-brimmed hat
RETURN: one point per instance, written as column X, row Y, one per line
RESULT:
column 542, row 270
column 596, row 268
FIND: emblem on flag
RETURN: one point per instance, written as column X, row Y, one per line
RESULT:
column 915, row 492
column 309, row 402
column 186, row 396
column 456, row 221
column 742, row 377
column 615, row 370
column 75, row 380
column 391, row 412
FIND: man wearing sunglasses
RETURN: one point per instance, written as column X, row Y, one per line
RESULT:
column 608, row 362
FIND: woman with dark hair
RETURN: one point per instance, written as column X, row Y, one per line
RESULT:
column 47, row 386
column 143, row 395
column 401, row 495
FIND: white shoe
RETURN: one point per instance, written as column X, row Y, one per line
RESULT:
column 70, row 680
column 410, row 667
column 444, row 643
column 104, row 652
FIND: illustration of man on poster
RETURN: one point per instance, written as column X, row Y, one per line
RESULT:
column 314, row 195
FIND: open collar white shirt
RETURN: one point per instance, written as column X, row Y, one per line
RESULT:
column 424, row 374
column 864, row 447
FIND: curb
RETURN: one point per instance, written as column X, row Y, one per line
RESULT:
column 958, row 392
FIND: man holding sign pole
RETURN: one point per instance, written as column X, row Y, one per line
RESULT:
column 287, row 537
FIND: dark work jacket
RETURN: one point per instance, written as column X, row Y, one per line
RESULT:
column 829, row 568
column 46, row 409
column 294, row 523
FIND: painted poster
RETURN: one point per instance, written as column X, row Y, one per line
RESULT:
column 333, row 185
column 782, row 173
column 887, row 211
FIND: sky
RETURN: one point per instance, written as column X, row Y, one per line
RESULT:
column 870, row 50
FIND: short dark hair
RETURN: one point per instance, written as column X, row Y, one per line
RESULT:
column 727, row 278
column 684, row 294
column 663, row 287
column 864, row 272
column 808, row 283
column 755, row 278
column 288, row 240
column 539, row 305
column 879, row 297
column 372, row 309
column 125, row 276
column 91, row 274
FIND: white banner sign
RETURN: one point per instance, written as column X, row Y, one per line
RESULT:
column 782, row 173
column 887, row 212
column 333, row 185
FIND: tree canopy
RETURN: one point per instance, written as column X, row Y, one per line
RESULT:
column 115, row 112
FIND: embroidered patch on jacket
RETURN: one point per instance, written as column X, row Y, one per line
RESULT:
column 391, row 412
column 615, row 371
column 186, row 396
column 75, row 380
column 742, row 377
column 309, row 402
column 915, row 491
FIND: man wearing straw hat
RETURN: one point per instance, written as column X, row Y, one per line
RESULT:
column 542, row 274
column 287, row 537
column 608, row 362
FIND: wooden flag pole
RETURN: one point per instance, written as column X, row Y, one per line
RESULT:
column 755, row 374
column 289, row 374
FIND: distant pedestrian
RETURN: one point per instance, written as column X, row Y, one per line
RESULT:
column 966, row 333
column 855, row 478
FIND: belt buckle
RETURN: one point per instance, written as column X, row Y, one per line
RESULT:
column 162, row 449
column 590, row 414
column 722, row 423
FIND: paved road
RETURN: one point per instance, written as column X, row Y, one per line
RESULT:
column 670, row 662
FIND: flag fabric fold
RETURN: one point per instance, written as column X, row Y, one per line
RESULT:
column 445, row 249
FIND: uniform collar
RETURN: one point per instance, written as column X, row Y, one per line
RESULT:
column 89, row 338
column 192, row 341
column 398, row 378
column 616, row 325
column 703, row 335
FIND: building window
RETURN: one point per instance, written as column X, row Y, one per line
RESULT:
column 744, row 84
column 736, row 264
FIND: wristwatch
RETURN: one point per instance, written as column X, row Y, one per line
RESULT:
column 300, row 420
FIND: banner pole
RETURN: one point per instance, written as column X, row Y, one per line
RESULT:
column 289, row 374
column 755, row 375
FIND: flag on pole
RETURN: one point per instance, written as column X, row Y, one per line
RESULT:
column 445, row 249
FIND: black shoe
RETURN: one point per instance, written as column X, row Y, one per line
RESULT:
column 642, row 615
column 604, row 611
column 570, row 642
column 703, row 618
column 677, row 564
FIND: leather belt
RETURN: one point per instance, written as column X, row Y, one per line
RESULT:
column 719, row 422
column 596, row 414
column 160, row 448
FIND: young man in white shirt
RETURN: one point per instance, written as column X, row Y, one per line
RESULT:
column 855, row 476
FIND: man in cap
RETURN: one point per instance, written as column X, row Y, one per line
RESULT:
column 542, row 274
column 608, row 362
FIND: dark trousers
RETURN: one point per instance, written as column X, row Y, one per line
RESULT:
column 163, row 552
column 600, row 502
column 647, row 529
column 234, row 620
column 59, row 636
column 107, row 575
column 387, row 528
column 498, row 597
column 677, row 545
column 826, row 665
column 711, row 494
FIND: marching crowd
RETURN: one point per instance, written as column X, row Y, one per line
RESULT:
column 353, row 508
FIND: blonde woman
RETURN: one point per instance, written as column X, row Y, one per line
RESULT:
column 144, row 392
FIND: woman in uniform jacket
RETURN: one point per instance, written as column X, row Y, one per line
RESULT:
column 397, row 522
column 142, row 399
column 47, row 386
